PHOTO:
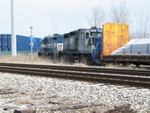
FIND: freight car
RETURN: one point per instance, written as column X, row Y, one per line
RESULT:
column 80, row 45
column 137, row 52
column 22, row 43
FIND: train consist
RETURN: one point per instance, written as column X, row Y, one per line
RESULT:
column 82, row 45
column 94, row 45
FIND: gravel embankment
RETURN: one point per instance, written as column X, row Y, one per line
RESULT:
column 38, row 92
column 21, row 92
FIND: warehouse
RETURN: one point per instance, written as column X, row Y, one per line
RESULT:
column 22, row 43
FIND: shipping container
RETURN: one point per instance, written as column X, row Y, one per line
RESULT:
column 5, row 42
column 115, row 35
column 22, row 43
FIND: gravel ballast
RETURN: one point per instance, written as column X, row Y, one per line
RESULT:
column 21, row 92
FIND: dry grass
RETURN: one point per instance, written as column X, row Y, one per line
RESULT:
column 21, row 58
column 27, row 59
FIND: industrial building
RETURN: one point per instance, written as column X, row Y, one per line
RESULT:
column 22, row 43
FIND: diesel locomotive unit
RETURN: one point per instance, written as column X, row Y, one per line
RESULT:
column 51, row 46
column 82, row 45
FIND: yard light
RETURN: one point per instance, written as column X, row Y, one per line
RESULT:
column 13, row 36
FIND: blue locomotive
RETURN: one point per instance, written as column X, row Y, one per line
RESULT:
column 51, row 46
column 81, row 45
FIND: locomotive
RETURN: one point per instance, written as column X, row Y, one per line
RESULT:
column 51, row 46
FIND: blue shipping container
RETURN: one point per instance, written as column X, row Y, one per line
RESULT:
column 23, row 43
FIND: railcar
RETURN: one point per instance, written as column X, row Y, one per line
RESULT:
column 137, row 52
column 120, row 50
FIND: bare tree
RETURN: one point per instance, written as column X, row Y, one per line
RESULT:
column 119, row 12
column 143, row 28
column 97, row 17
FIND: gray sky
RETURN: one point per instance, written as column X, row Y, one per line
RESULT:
column 58, row 16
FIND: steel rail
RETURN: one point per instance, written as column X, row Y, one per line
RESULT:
column 107, row 78
column 133, row 78
column 86, row 69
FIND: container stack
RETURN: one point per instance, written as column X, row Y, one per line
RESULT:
column 115, row 35
column 23, row 43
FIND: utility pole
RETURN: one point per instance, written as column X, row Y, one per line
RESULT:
column 31, row 42
column 13, row 36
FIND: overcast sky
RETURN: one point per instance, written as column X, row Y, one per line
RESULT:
column 57, row 16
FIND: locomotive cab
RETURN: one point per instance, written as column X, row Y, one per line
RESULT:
column 95, row 42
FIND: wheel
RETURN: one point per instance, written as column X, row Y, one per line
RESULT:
column 65, row 58
column 137, row 65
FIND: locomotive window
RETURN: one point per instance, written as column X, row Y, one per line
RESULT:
column 55, row 38
column 44, row 41
column 95, row 34
column 66, row 36
column 73, row 33
column 87, row 35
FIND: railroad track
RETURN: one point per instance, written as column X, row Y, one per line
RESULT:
column 137, row 78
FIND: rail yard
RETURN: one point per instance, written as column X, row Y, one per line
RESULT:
column 63, row 65
column 39, row 85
